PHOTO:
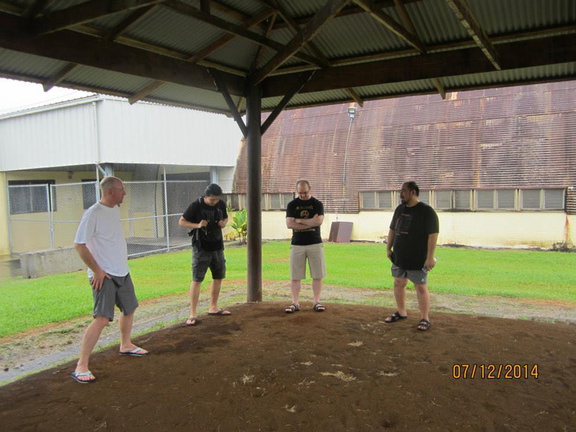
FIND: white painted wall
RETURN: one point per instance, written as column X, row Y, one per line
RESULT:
column 108, row 130
column 48, row 138
column 502, row 229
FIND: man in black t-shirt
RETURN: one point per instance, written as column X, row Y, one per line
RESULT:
column 411, row 245
column 304, row 216
column 206, row 217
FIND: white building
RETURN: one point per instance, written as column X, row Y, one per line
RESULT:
column 76, row 143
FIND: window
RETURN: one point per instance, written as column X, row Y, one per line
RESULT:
column 384, row 200
column 473, row 199
column 462, row 200
column 31, row 196
column 368, row 200
column 485, row 199
column 531, row 199
column 236, row 201
column 443, row 200
column 506, row 199
column 424, row 196
column 276, row 201
column 554, row 199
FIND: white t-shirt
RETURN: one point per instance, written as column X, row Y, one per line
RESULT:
column 100, row 230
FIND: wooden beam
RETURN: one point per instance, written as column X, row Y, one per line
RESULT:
column 351, row 10
column 294, row 26
column 232, row 28
column 58, row 76
column 517, row 55
column 324, row 14
column 472, row 25
column 70, row 46
column 145, row 92
column 221, row 84
column 406, row 20
column 355, row 97
column 224, row 40
column 251, row 22
column 390, row 24
column 35, row 8
column 127, row 22
column 267, row 31
column 301, row 80
column 205, row 6
column 438, row 84
column 86, row 12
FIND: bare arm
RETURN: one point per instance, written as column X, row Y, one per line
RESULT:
column 390, row 243
column 313, row 222
column 191, row 225
column 88, row 258
column 291, row 224
column 222, row 223
column 430, row 261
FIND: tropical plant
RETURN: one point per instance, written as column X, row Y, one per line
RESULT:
column 240, row 225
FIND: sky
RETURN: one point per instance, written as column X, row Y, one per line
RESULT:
column 20, row 95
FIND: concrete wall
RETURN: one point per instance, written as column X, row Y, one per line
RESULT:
column 43, row 263
column 497, row 229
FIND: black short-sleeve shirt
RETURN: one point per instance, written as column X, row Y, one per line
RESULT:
column 208, row 238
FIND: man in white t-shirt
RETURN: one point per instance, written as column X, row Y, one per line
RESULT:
column 101, row 244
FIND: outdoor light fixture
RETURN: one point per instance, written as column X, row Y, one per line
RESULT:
column 351, row 113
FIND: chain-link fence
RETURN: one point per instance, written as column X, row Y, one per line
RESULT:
column 46, row 216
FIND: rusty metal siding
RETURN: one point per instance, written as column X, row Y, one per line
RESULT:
column 517, row 137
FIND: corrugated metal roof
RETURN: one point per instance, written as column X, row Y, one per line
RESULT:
column 150, row 44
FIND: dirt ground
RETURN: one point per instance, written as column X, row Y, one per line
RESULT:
column 342, row 370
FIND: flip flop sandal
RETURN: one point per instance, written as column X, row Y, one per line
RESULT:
column 192, row 321
column 220, row 312
column 136, row 352
column 292, row 308
column 424, row 325
column 395, row 317
column 319, row 307
column 76, row 377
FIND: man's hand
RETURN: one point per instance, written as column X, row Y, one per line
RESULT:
column 98, row 279
column 430, row 263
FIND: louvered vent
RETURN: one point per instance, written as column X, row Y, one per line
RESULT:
column 571, row 200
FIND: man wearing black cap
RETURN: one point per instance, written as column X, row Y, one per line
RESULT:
column 206, row 217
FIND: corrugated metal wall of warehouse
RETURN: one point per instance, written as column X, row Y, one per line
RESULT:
column 514, row 137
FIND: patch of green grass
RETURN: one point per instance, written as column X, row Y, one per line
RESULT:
column 28, row 303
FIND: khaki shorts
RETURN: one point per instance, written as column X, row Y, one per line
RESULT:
column 315, row 255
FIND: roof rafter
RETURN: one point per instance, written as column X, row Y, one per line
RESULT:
column 520, row 54
column 324, row 14
column 471, row 24
column 74, row 47
column 59, row 76
column 86, row 12
column 223, row 41
column 35, row 8
column 391, row 24
column 232, row 28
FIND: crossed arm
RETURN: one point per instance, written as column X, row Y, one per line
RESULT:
column 302, row 224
